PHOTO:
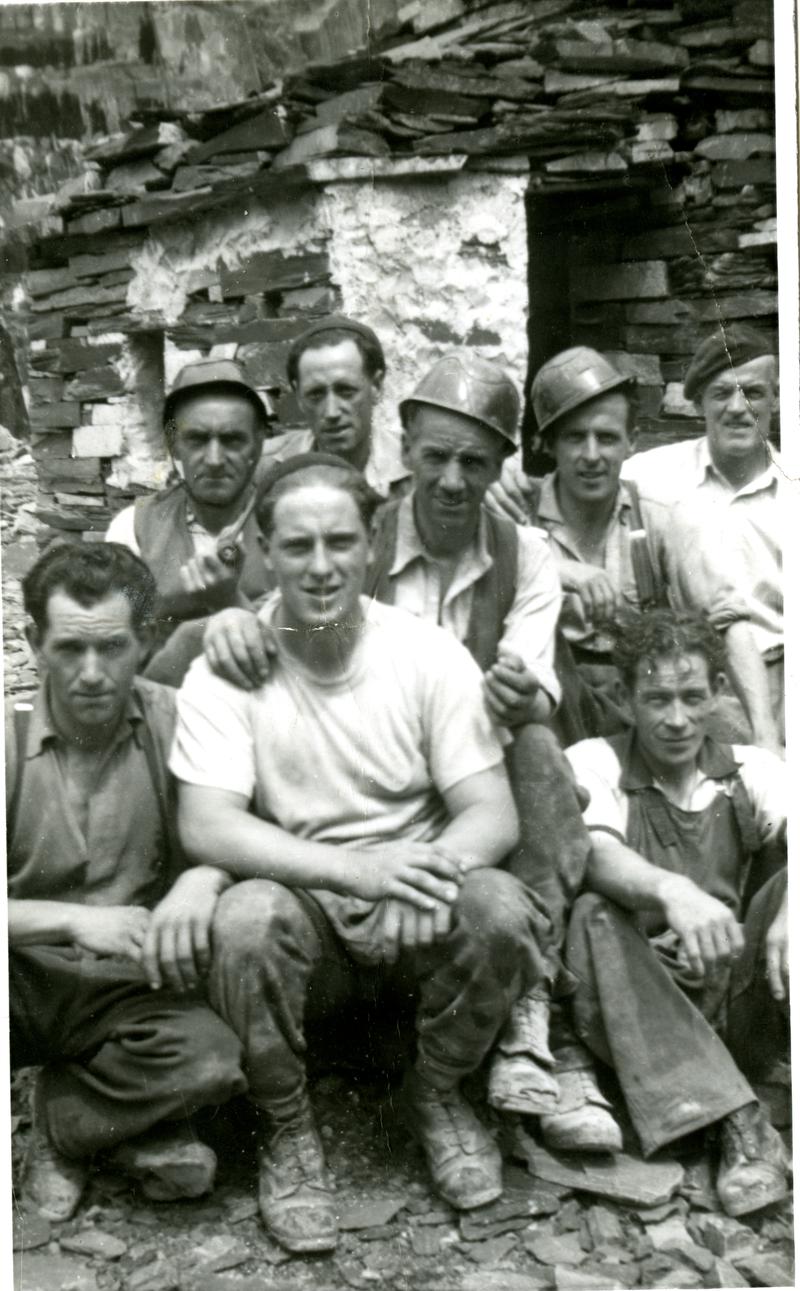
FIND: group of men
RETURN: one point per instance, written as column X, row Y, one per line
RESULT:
column 501, row 755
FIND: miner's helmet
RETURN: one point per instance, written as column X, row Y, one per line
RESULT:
column 474, row 387
column 210, row 376
column 570, row 379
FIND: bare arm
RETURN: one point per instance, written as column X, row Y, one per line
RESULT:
column 217, row 829
column 106, row 930
column 484, row 825
column 748, row 676
column 708, row 930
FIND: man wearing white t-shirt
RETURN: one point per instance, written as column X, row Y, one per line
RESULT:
column 360, row 798
column 681, row 941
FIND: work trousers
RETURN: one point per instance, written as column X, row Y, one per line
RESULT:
column 118, row 1057
column 277, row 964
column 551, row 857
column 676, row 1073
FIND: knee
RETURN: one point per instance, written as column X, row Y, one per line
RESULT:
column 253, row 915
column 495, row 907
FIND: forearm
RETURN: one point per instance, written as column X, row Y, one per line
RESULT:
column 51, row 923
column 177, row 603
column 480, row 839
column 615, row 871
column 748, row 676
column 246, row 847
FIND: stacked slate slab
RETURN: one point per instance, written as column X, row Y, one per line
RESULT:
column 664, row 113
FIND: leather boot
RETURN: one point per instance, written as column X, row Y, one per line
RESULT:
column 463, row 1158
column 294, row 1193
column 752, row 1166
column 53, row 1182
column 520, row 1079
column 582, row 1121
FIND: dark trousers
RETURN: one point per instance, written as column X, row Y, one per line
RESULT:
column 676, row 1072
column 118, row 1057
column 551, row 857
column 278, row 964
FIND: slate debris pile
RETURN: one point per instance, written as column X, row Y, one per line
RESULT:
column 396, row 1235
column 658, row 118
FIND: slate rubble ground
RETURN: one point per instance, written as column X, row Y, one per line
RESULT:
column 395, row 1234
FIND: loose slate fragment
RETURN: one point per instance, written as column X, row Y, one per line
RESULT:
column 493, row 1251
column 622, row 1178
column 604, row 1226
column 426, row 1241
column 30, row 1230
column 555, row 1250
column 263, row 131
column 92, row 1241
column 369, row 1214
column 489, row 1280
column 766, row 1270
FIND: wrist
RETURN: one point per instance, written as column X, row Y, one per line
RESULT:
column 208, row 877
column 668, row 888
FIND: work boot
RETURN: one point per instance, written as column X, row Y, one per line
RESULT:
column 519, row 1077
column 752, row 1164
column 582, row 1121
column 294, row 1193
column 170, row 1164
column 53, row 1182
column 463, row 1158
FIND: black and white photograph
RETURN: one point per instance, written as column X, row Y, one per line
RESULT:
column 394, row 485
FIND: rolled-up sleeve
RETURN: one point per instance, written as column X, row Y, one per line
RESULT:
column 597, row 770
column 530, row 626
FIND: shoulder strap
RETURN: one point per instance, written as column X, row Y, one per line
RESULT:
column 649, row 587
column 745, row 816
column 22, row 721
column 534, row 499
column 494, row 593
column 384, row 545
column 160, row 782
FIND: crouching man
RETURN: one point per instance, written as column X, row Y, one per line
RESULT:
column 90, row 854
column 380, row 809
column 679, row 949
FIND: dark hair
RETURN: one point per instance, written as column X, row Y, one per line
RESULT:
column 89, row 572
column 369, row 347
column 657, row 634
column 313, row 468
column 631, row 395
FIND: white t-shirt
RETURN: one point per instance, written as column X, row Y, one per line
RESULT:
column 358, row 760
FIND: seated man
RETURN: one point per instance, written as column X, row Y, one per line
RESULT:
column 380, row 811
column 679, row 947
column 90, row 853
column 336, row 369
column 197, row 537
column 441, row 556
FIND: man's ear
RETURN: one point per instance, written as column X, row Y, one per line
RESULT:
column 405, row 448
column 146, row 637
column 33, row 637
column 718, row 681
column 377, row 385
column 264, row 544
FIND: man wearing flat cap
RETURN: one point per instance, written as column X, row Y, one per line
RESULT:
column 336, row 369
column 197, row 536
column 729, row 485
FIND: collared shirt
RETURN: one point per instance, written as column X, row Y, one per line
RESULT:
column 122, row 858
column 384, row 478
column 742, row 528
column 671, row 555
column 122, row 529
column 531, row 622
column 598, row 769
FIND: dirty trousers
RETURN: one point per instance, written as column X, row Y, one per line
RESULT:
column 278, row 963
column 550, row 859
column 675, row 1072
column 118, row 1056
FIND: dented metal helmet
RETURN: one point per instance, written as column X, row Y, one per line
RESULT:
column 475, row 387
column 570, row 379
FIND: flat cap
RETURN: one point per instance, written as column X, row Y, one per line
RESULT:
column 726, row 348
column 331, row 323
column 220, row 374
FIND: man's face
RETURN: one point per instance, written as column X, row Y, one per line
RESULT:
column 672, row 702
column 90, row 655
column 318, row 551
column 337, row 397
column 217, row 440
column 453, row 460
column 737, row 405
column 590, row 445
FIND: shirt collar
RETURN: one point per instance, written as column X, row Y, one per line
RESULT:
column 42, row 731
column 550, row 510
column 705, row 467
column 715, row 761
column 410, row 547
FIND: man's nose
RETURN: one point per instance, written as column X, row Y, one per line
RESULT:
column 320, row 560
column 452, row 478
column 91, row 670
column 677, row 715
column 591, row 448
column 213, row 453
column 737, row 401
column 331, row 406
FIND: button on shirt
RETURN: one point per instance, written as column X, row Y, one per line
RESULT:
column 672, row 555
column 742, row 529
column 120, row 860
column 529, row 629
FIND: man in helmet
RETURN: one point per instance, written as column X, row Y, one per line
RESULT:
column 619, row 551
column 197, row 536
column 439, row 554
column 336, row 369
